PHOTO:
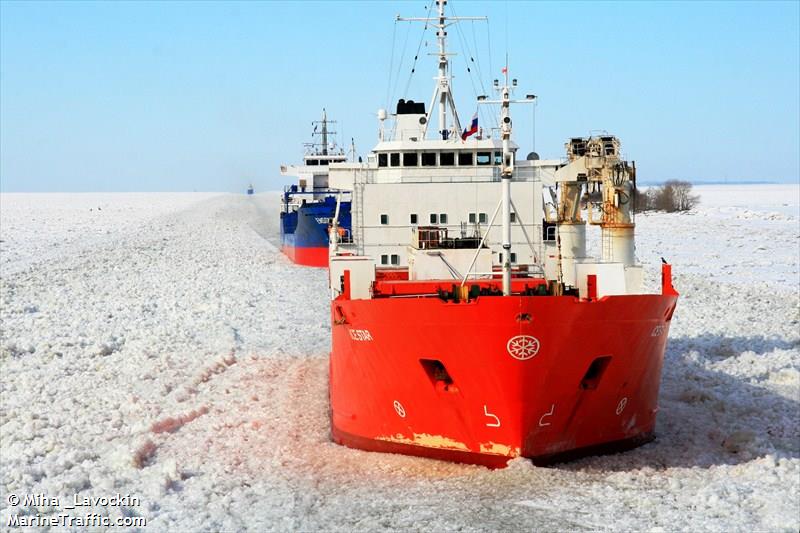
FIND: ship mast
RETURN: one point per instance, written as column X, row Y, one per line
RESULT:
column 507, row 168
column 442, row 91
column 324, row 132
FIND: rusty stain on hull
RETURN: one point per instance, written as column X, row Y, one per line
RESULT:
column 424, row 439
column 500, row 449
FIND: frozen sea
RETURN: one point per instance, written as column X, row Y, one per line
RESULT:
column 160, row 346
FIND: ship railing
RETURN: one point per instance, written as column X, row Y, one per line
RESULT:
column 345, row 236
column 428, row 237
column 431, row 175
column 448, row 179
column 482, row 274
column 533, row 270
column 347, row 248
column 294, row 190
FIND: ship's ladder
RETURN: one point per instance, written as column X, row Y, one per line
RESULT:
column 357, row 220
column 607, row 246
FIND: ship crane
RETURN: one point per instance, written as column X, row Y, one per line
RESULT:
column 595, row 163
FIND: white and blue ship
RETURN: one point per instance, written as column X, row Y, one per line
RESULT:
column 309, row 206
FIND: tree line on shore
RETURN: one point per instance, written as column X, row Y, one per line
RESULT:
column 671, row 196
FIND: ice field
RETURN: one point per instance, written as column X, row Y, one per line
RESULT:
column 159, row 345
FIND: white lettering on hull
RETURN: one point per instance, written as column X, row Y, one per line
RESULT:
column 621, row 405
column 549, row 413
column 495, row 423
column 360, row 335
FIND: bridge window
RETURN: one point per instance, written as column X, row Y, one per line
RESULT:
column 383, row 160
column 384, row 259
column 465, row 159
column 447, row 159
column 323, row 161
column 394, row 160
column 484, row 158
column 513, row 217
column 395, row 259
column 434, row 218
column 410, row 159
column 472, row 218
column 312, row 162
column 482, row 218
column 413, row 218
column 384, row 220
column 428, row 159
column 443, row 218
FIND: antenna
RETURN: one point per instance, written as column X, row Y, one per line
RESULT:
column 324, row 132
column 442, row 92
column 322, row 147
column 507, row 168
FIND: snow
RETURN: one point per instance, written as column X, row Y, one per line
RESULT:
column 162, row 347
column 744, row 234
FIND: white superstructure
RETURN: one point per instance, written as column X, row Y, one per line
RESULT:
column 417, row 178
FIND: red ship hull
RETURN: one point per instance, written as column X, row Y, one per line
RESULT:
column 484, row 381
column 307, row 256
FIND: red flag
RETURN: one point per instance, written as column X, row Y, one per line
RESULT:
column 505, row 69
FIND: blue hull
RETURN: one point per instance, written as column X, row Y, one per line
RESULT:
column 304, row 232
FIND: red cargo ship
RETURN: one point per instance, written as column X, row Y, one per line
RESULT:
column 466, row 355
column 488, row 377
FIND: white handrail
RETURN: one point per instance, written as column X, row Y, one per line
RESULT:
column 478, row 250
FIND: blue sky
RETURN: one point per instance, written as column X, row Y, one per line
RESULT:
column 181, row 96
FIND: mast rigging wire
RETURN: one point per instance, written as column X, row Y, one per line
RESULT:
column 494, row 110
column 419, row 47
column 391, row 66
column 468, row 53
column 400, row 65
column 469, row 71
